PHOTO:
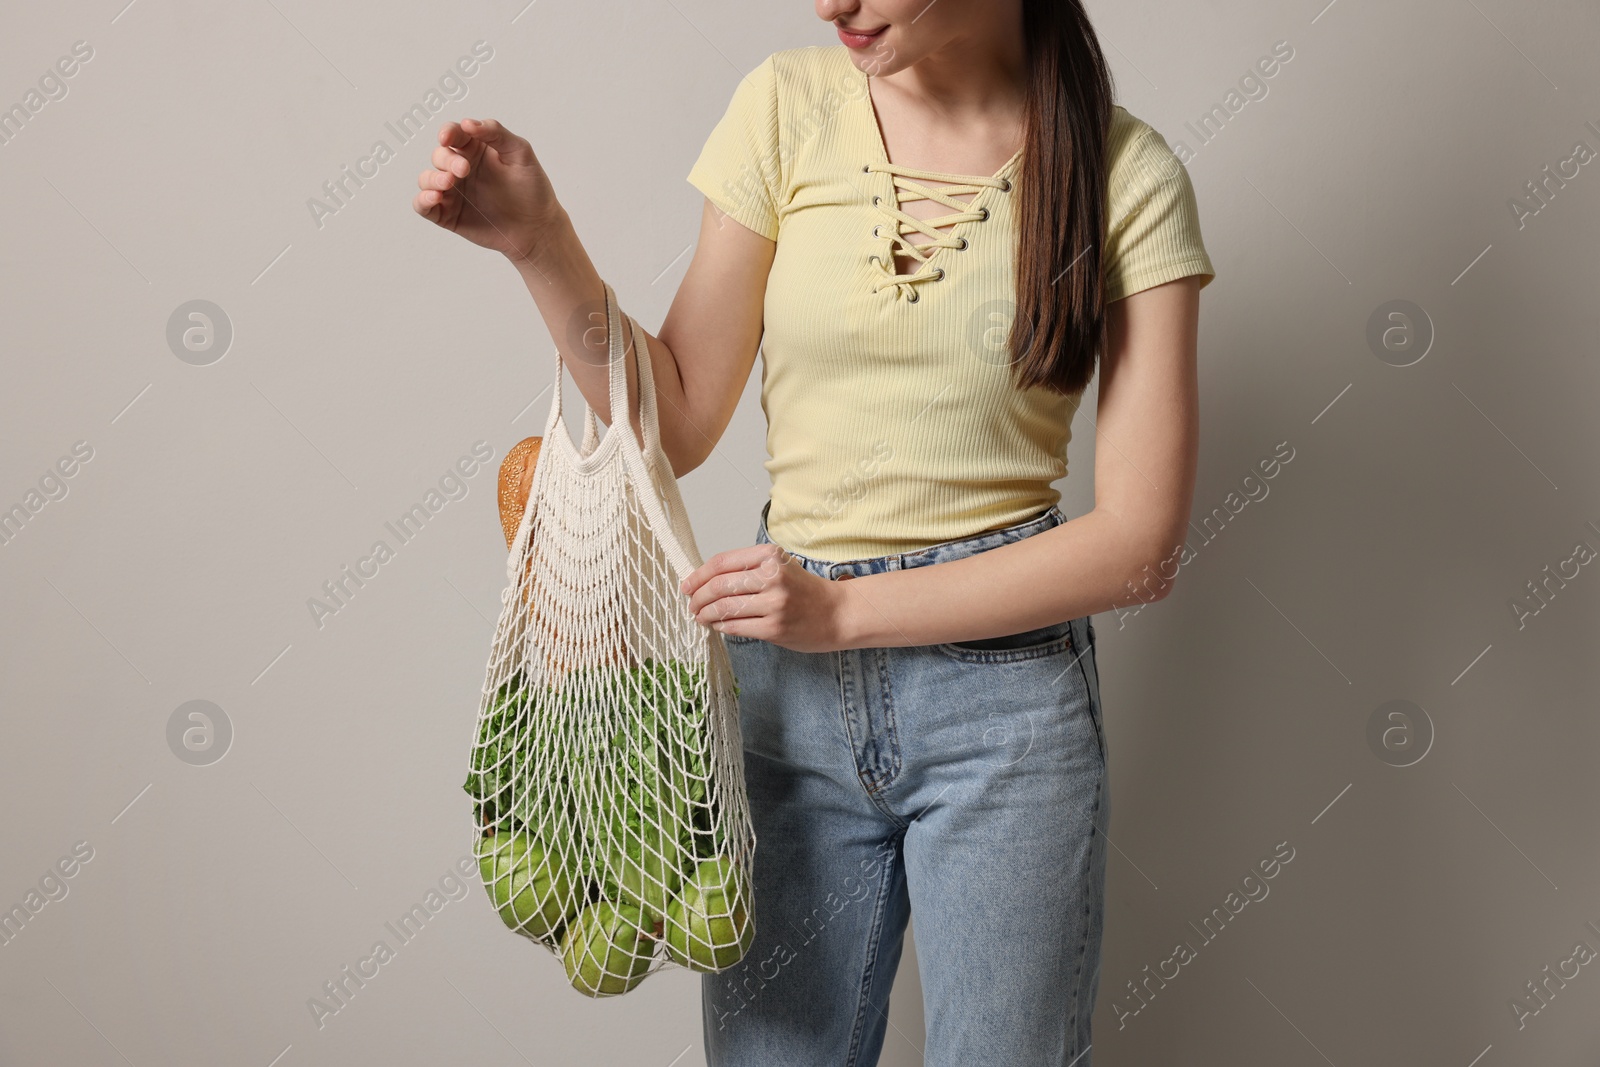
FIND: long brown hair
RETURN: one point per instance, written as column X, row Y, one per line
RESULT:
column 1060, row 316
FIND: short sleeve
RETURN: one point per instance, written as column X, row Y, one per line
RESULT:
column 1153, row 221
column 738, row 168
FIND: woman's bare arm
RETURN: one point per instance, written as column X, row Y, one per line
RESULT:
column 706, row 346
column 1123, row 552
column 489, row 187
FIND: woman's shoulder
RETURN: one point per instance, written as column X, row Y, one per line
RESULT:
column 1129, row 132
column 1152, row 218
column 811, row 60
column 808, row 76
column 1137, row 156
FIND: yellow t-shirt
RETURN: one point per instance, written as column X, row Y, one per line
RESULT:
column 893, row 421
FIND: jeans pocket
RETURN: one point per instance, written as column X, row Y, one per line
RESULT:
column 1029, row 644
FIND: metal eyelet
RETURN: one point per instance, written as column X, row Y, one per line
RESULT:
column 962, row 245
column 914, row 297
column 876, row 199
column 1005, row 185
column 875, row 232
column 984, row 215
column 938, row 272
column 866, row 168
column 875, row 261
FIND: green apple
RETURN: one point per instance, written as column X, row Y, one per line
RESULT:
column 530, row 888
column 649, row 882
column 605, row 951
column 708, row 927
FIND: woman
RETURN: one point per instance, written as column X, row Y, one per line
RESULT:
column 931, row 229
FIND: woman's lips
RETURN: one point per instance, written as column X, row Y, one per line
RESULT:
column 859, row 40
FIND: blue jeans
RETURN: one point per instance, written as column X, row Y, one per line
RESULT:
column 961, row 782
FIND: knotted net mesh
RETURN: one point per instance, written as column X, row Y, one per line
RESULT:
column 610, row 819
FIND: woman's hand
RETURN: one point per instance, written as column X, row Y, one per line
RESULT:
column 487, row 186
column 763, row 591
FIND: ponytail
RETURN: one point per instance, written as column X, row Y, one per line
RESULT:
column 1059, row 323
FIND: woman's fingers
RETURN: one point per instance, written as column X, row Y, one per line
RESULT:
column 435, row 179
column 450, row 166
column 453, row 162
column 460, row 160
column 430, row 203
column 507, row 145
column 451, row 135
column 461, row 145
column 427, row 201
column 734, row 572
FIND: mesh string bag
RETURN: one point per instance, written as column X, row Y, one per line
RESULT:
column 610, row 819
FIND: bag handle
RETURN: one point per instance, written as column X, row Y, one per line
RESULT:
column 648, row 464
column 619, row 340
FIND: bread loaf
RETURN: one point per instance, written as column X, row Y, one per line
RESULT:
column 516, row 475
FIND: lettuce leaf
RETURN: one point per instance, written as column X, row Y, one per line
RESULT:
column 491, row 780
column 641, row 790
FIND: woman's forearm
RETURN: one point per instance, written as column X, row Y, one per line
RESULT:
column 1088, row 564
column 570, row 295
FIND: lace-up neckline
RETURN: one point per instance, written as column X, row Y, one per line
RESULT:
column 900, row 244
column 899, row 225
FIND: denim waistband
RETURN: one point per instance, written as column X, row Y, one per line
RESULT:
column 944, row 550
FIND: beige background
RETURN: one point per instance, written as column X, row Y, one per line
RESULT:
column 369, row 353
